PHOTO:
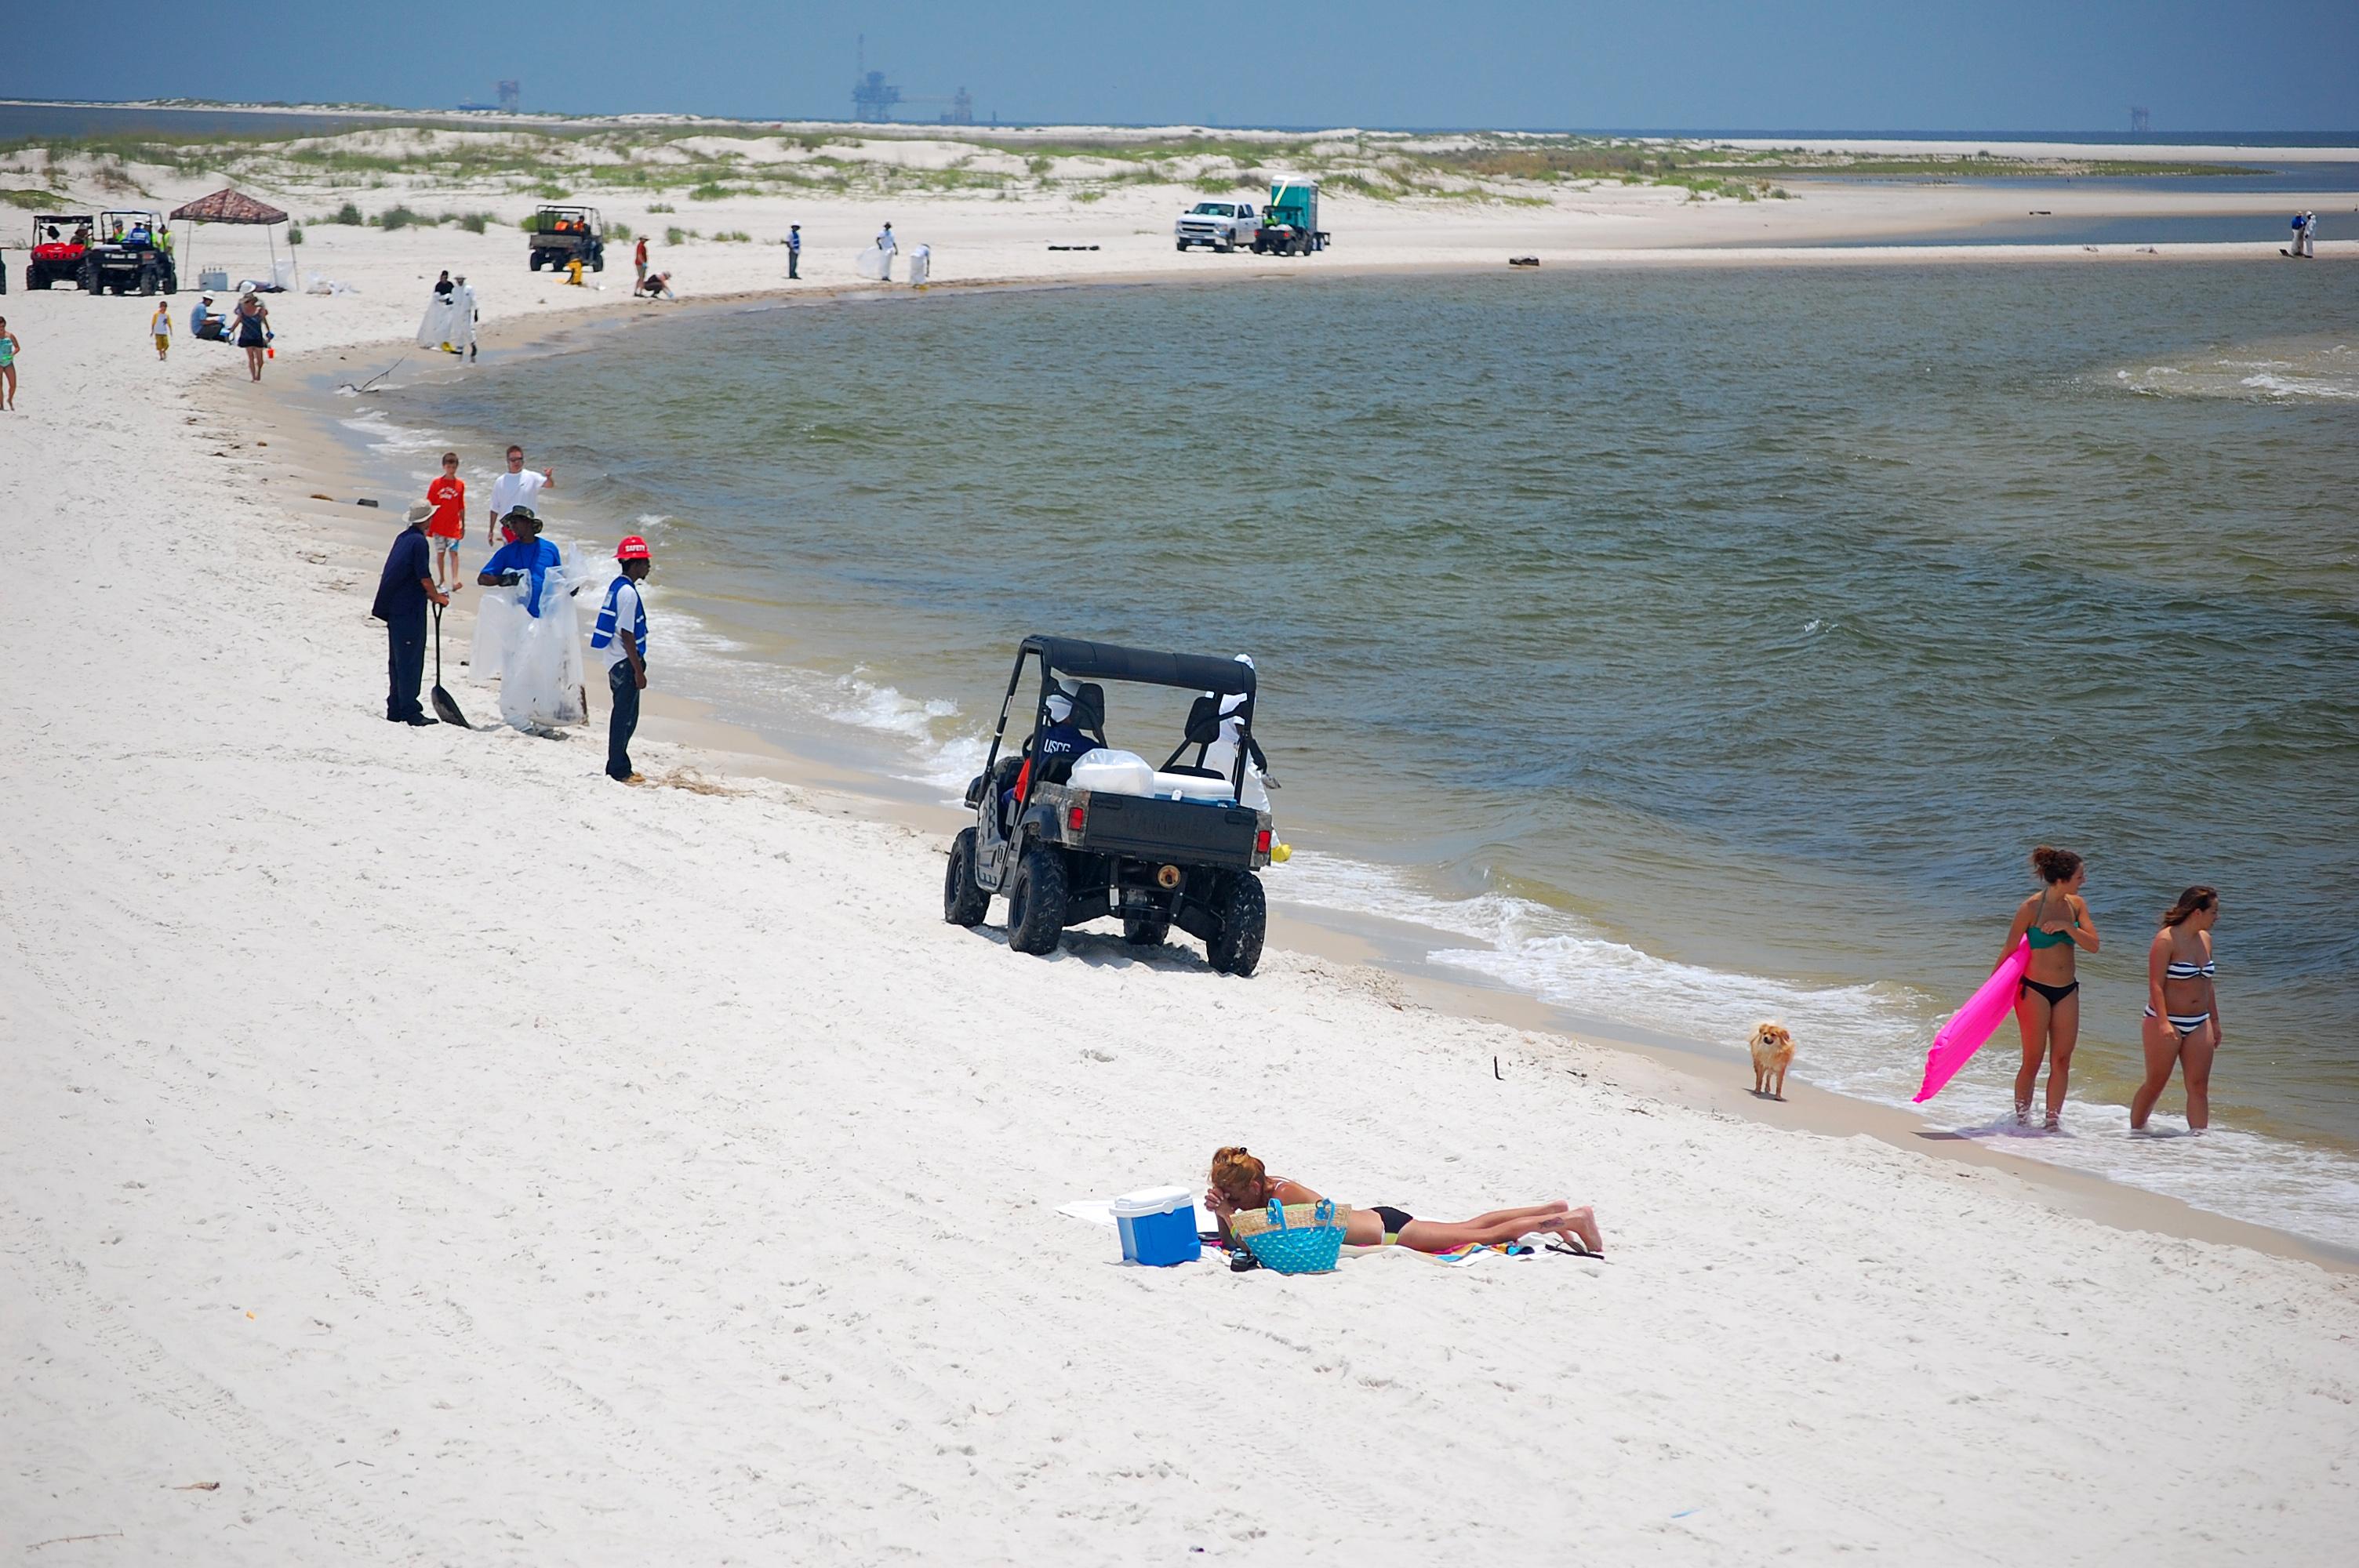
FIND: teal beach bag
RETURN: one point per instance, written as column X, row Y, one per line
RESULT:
column 1301, row 1242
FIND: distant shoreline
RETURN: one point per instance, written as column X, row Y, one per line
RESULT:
column 2152, row 147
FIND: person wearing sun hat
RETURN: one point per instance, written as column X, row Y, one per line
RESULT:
column 402, row 592
column 622, row 635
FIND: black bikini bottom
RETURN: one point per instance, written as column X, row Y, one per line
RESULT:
column 2053, row 993
column 1395, row 1219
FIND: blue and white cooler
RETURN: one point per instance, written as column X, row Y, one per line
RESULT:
column 1159, row 1226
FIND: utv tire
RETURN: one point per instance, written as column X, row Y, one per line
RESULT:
column 146, row 282
column 1035, row 902
column 598, row 262
column 963, row 901
column 1145, row 930
column 1236, row 949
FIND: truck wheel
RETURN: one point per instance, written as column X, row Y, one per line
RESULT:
column 1236, row 949
column 598, row 262
column 1224, row 247
column 532, row 262
column 1181, row 247
column 964, row 902
column 1145, row 930
column 1036, row 903
column 146, row 281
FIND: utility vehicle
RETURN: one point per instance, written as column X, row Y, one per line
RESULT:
column 1290, row 223
column 1104, row 834
column 59, row 241
column 129, row 249
column 562, row 234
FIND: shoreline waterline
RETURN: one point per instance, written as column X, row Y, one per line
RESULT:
column 1439, row 958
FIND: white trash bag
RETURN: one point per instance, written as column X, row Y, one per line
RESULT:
column 536, row 659
column 873, row 264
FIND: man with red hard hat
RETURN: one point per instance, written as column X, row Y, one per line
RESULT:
column 622, row 636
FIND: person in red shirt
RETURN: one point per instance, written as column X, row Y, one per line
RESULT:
column 448, row 527
column 639, row 261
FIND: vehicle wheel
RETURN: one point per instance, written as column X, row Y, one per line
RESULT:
column 1224, row 250
column 146, row 282
column 598, row 262
column 1145, row 930
column 1181, row 247
column 1244, row 915
column 1036, row 903
column 532, row 262
column 34, row 280
column 963, row 901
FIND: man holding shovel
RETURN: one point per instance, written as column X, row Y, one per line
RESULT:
column 402, row 595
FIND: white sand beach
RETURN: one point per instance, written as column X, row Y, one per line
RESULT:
column 437, row 1153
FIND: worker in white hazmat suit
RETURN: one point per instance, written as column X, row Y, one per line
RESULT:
column 1221, row 756
column 463, row 317
column 921, row 264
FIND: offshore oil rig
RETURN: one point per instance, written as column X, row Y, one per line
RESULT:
column 873, row 98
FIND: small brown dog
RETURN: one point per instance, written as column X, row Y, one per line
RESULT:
column 1773, row 1053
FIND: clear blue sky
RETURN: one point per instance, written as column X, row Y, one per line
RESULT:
column 1967, row 65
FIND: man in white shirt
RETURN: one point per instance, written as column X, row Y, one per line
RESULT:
column 517, row 487
column 885, row 246
column 621, row 635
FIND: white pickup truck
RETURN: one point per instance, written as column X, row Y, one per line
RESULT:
column 1223, row 225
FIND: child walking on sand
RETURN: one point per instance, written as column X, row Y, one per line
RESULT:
column 9, row 349
column 160, row 328
column 447, row 493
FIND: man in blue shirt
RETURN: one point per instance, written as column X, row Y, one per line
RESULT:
column 204, row 313
column 526, row 554
column 794, row 250
column 402, row 594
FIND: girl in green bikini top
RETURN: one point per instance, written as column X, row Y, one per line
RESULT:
column 2047, row 1007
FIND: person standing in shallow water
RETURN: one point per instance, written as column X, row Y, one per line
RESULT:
column 2182, row 1012
column 2048, row 1004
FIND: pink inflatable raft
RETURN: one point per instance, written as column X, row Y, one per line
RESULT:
column 1964, row 1034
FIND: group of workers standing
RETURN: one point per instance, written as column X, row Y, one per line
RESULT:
column 529, row 636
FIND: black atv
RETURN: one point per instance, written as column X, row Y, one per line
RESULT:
column 129, row 254
column 562, row 234
column 1069, row 835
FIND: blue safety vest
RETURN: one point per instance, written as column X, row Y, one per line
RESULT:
column 602, row 636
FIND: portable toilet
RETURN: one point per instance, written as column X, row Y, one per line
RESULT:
column 1293, row 203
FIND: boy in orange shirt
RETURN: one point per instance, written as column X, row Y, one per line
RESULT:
column 448, row 527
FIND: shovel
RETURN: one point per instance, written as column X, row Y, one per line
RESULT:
column 444, row 708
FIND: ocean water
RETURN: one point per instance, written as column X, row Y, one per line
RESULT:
column 1682, row 647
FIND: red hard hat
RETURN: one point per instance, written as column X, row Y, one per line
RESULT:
column 632, row 549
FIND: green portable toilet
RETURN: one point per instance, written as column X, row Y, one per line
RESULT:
column 1294, row 201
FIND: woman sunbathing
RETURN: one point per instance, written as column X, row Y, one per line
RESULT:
column 1240, row 1181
